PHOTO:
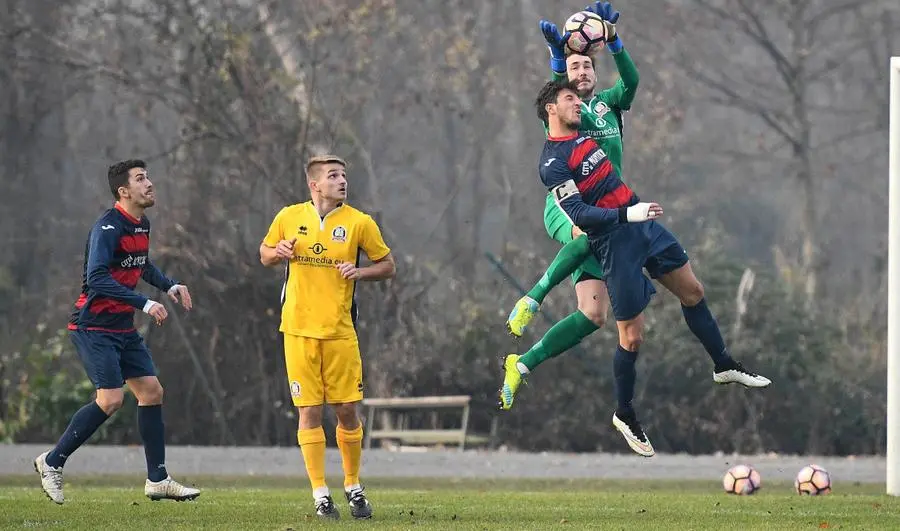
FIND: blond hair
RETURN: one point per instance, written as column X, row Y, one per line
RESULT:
column 323, row 159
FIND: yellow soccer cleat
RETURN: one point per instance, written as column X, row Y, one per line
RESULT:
column 521, row 315
column 512, row 379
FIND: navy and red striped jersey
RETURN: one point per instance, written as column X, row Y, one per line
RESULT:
column 584, row 183
column 117, row 254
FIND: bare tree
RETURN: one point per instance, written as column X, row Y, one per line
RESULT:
column 800, row 42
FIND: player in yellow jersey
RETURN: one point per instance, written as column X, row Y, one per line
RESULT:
column 321, row 239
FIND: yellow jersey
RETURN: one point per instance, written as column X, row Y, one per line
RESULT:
column 316, row 301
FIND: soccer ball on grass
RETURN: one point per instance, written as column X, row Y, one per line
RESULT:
column 742, row 480
column 813, row 480
column 588, row 33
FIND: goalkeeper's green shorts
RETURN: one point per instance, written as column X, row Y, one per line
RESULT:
column 559, row 227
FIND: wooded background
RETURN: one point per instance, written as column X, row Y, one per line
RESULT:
column 761, row 127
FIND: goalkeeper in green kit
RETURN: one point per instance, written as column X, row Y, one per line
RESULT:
column 601, row 120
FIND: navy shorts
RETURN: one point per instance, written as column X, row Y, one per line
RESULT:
column 111, row 358
column 624, row 252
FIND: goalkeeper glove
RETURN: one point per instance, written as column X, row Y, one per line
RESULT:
column 610, row 16
column 557, row 45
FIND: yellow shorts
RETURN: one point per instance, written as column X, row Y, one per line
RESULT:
column 323, row 370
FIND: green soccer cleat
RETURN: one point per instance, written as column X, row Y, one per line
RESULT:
column 521, row 315
column 511, row 381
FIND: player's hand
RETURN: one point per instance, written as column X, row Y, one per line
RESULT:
column 609, row 15
column 180, row 290
column 643, row 212
column 285, row 249
column 576, row 231
column 557, row 45
column 158, row 312
column 348, row 270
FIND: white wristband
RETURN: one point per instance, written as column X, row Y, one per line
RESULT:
column 173, row 288
column 149, row 304
column 639, row 212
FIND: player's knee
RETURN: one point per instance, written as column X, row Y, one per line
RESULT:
column 631, row 339
column 346, row 414
column 309, row 417
column 110, row 400
column 594, row 312
column 151, row 396
column 692, row 294
column 632, row 344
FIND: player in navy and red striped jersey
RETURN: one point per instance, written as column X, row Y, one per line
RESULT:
column 625, row 239
column 102, row 329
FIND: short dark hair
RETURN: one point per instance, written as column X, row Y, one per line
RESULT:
column 118, row 174
column 550, row 93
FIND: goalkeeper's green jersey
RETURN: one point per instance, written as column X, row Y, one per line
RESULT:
column 601, row 117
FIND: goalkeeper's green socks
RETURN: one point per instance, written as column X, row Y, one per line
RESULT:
column 566, row 262
column 561, row 337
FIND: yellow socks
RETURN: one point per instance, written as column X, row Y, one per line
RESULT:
column 312, row 445
column 350, row 444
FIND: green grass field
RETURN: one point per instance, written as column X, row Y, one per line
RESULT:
column 282, row 503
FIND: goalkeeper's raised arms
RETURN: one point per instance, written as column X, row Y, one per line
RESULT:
column 609, row 16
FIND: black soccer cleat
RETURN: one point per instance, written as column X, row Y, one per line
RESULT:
column 360, row 508
column 326, row 509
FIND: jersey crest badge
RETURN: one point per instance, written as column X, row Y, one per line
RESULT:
column 601, row 109
column 339, row 234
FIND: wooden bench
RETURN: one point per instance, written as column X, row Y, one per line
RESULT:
column 395, row 427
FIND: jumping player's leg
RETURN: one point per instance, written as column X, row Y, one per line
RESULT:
column 668, row 263
column 562, row 336
column 593, row 305
column 629, row 292
column 343, row 379
column 99, row 354
column 625, row 374
column 593, row 299
column 574, row 258
column 303, row 361
column 567, row 261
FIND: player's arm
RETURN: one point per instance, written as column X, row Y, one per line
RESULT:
column 559, row 181
column 101, row 247
column 271, row 255
column 383, row 266
column 381, row 269
column 622, row 93
column 556, row 43
column 372, row 242
column 274, row 249
column 156, row 278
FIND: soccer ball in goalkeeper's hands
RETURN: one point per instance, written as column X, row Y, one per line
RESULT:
column 588, row 33
column 813, row 480
column 741, row 480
